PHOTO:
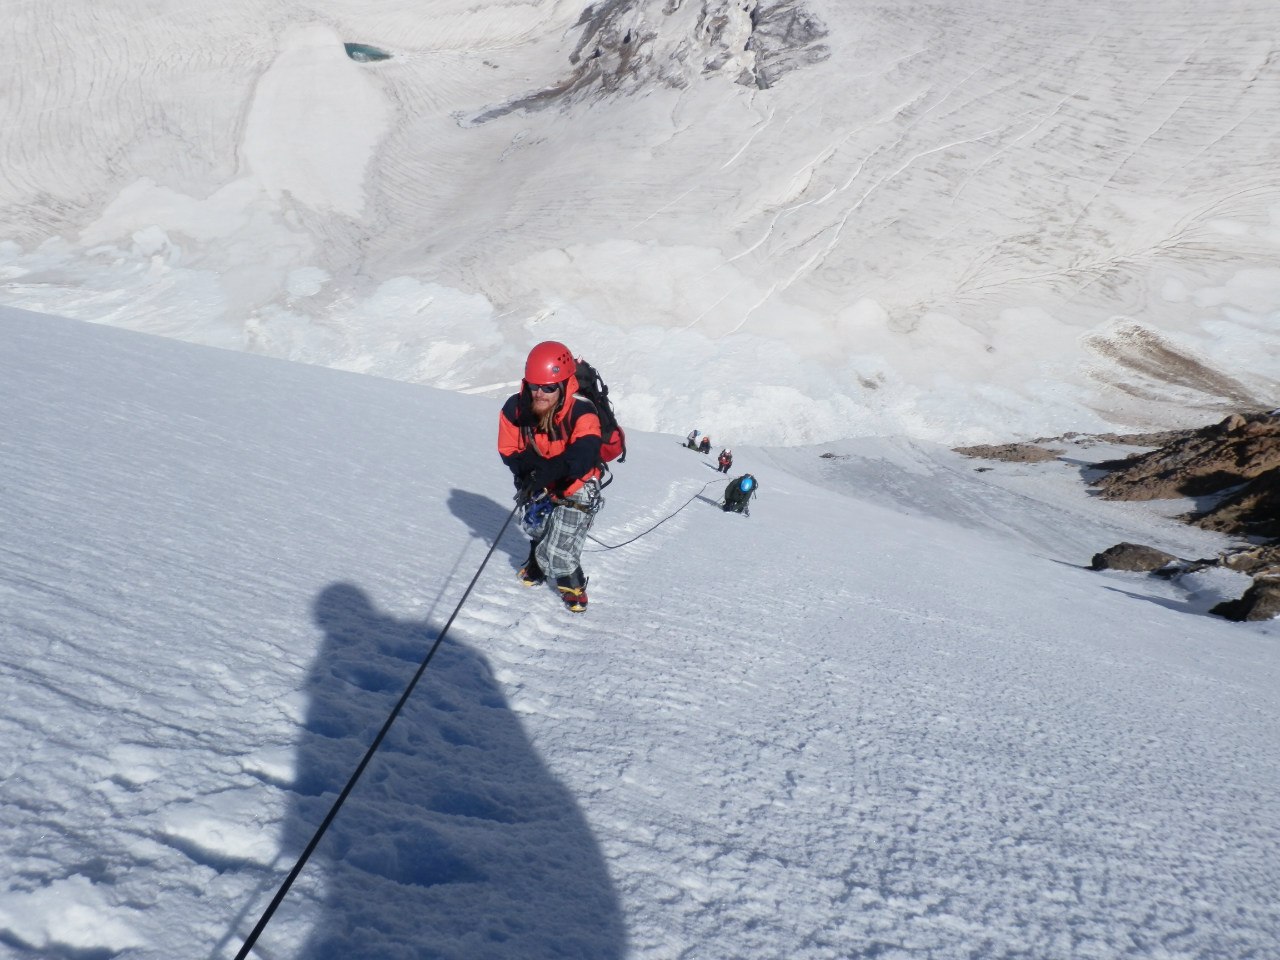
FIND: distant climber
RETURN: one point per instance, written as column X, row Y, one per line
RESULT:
column 738, row 494
column 705, row 445
column 725, row 460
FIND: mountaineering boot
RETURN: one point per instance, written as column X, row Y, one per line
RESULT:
column 531, row 574
column 573, row 590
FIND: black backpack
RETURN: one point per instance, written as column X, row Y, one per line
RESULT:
column 613, row 442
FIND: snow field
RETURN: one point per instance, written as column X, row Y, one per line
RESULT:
column 828, row 729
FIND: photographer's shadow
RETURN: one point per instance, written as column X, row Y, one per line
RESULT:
column 485, row 517
column 457, row 842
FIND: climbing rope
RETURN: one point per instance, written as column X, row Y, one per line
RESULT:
column 643, row 533
column 294, row 873
column 377, row 741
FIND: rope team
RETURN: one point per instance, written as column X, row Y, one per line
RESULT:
column 557, row 436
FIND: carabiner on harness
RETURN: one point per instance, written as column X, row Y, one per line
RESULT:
column 534, row 514
column 594, row 500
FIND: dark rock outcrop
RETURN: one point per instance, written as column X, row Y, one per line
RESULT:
column 1010, row 452
column 1260, row 602
column 630, row 46
column 1235, row 462
column 1233, row 465
column 1243, row 451
column 1133, row 557
column 1253, row 560
column 1254, row 509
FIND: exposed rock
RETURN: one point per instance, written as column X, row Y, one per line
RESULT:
column 1181, row 567
column 628, row 46
column 1132, row 557
column 1142, row 362
column 1253, row 560
column 1242, row 451
column 785, row 36
column 1010, row 452
column 1253, row 510
column 1260, row 602
column 1157, row 439
column 1236, row 462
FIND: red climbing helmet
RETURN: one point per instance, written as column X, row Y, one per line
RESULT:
column 549, row 362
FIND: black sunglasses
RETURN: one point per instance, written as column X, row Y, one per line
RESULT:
column 544, row 387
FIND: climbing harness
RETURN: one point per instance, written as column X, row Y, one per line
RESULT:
column 535, row 512
column 595, row 501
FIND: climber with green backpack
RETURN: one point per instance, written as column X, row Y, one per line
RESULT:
column 738, row 494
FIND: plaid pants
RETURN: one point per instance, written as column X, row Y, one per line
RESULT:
column 559, row 552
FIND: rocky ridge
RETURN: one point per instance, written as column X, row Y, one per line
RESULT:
column 624, row 46
column 1231, row 468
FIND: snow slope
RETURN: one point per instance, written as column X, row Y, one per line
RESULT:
column 889, row 714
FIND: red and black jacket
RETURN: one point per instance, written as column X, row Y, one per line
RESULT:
column 574, row 439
